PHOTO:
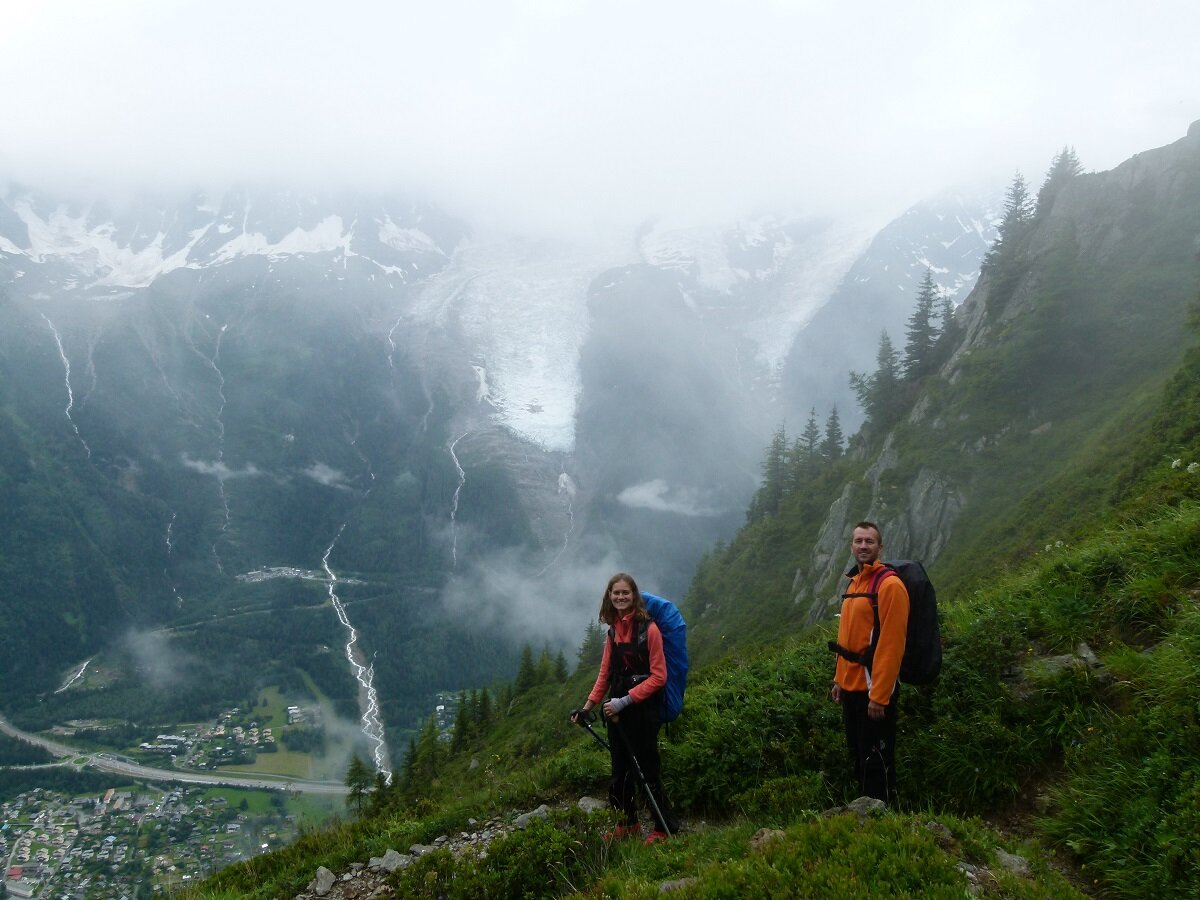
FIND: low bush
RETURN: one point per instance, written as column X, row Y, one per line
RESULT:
column 549, row 858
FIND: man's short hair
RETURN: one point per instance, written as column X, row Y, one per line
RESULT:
column 866, row 524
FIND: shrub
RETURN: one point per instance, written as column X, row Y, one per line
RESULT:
column 549, row 858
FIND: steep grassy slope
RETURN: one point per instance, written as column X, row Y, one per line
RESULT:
column 1104, row 741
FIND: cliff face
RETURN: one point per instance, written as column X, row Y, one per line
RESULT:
column 1086, row 312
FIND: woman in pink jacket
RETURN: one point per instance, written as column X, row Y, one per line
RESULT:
column 633, row 672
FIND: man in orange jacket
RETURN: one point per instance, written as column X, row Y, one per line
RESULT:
column 867, row 691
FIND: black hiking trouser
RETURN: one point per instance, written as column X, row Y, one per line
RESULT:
column 872, row 745
column 637, row 730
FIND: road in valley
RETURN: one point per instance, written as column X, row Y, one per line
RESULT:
column 107, row 762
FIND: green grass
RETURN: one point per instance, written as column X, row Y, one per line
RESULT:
column 1110, row 752
column 760, row 745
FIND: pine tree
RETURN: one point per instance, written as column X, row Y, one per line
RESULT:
column 592, row 649
column 381, row 795
column 545, row 667
column 410, row 762
column 560, row 668
column 483, row 709
column 797, row 467
column 462, row 723
column 1017, row 215
column 879, row 394
column 428, row 750
column 358, row 780
column 921, row 332
column 947, row 332
column 767, row 500
column 1064, row 167
column 526, row 672
column 831, row 446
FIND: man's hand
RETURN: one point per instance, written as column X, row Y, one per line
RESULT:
column 835, row 694
column 875, row 710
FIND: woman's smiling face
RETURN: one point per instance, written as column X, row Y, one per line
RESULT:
column 621, row 595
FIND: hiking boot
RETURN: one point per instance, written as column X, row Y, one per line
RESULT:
column 655, row 837
column 623, row 831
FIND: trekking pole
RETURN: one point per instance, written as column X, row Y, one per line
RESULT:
column 588, row 725
column 641, row 776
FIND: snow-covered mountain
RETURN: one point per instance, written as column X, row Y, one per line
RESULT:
column 946, row 235
column 518, row 305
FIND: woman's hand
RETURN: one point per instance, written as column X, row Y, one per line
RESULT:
column 612, row 708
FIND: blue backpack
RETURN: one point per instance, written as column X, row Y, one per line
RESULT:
column 669, row 619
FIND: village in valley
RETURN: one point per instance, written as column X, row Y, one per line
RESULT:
column 135, row 842
column 149, row 839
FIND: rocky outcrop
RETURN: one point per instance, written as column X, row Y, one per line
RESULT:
column 919, row 528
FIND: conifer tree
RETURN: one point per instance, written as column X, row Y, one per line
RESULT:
column 831, row 446
column 462, row 723
column 526, row 671
column 560, row 668
column 380, row 795
column 1064, row 167
column 545, row 667
column 358, row 780
column 797, row 467
column 921, row 331
column 1017, row 215
column 483, row 709
column 410, row 762
column 947, row 331
column 767, row 500
column 810, row 438
column 592, row 648
column 428, row 749
column 879, row 394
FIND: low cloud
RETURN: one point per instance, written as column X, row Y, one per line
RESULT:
column 659, row 496
column 218, row 468
column 503, row 591
column 160, row 663
column 327, row 475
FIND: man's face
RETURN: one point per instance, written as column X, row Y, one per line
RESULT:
column 865, row 546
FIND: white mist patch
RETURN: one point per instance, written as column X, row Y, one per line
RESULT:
column 219, row 470
column 659, row 496
column 522, row 308
column 793, row 277
column 327, row 475
column 500, row 593
column 155, row 658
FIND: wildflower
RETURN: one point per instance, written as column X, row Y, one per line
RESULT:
column 1192, row 467
column 1175, row 464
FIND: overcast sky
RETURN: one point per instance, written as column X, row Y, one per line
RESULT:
column 571, row 113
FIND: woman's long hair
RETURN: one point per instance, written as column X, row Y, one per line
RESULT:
column 608, row 612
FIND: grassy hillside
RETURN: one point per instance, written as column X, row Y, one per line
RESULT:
column 1090, row 758
column 1061, row 418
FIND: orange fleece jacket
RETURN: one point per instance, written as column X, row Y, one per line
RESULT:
column 854, row 633
column 658, row 662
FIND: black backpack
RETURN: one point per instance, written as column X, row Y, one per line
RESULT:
column 923, row 646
